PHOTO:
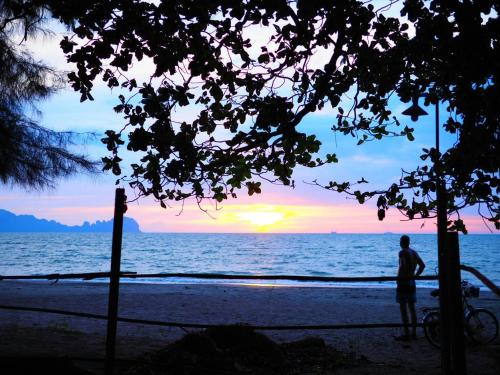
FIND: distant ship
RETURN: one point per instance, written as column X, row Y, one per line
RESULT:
column 333, row 232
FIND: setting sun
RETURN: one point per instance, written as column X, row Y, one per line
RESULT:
column 262, row 218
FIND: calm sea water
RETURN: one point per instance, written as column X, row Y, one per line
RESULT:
column 262, row 254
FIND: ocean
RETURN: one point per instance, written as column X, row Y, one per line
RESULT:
column 256, row 254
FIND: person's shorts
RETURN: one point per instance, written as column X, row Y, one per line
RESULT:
column 406, row 292
column 406, row 297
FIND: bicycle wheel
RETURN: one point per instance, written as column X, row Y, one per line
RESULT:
column 432, row 329
column 482, row 326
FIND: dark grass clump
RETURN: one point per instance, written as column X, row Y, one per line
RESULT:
column 313, row 356
column 249, row 349
column 239, row 350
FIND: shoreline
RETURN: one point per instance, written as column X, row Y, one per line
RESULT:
column 235, row 282
column 42, row 334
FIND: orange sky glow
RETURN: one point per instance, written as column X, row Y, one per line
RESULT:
column 282, row 218
column 270, row 213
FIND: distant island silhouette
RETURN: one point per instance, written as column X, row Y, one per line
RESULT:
column 10, row 222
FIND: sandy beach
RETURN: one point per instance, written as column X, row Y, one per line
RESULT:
column 371, row 350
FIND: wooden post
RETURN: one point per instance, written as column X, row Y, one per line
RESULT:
column 444, row 295
column 114, row 282
column 458, row 360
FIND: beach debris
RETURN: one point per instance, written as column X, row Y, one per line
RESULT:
column 239, row 350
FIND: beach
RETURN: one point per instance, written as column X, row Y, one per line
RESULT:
column 373, row 350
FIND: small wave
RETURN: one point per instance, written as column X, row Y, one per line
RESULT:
column 317, row 273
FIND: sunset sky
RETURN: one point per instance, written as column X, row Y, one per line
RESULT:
column 306, row 208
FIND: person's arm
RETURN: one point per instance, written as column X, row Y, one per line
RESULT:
column 421, row 265
column 400, row 263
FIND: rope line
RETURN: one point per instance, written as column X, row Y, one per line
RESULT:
column 196, row 325
column 133, row 275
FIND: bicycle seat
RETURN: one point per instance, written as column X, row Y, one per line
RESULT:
column 435, row 293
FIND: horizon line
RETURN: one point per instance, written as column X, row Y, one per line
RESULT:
column 332, row 233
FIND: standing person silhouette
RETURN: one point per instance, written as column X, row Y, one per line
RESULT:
column 406, row 294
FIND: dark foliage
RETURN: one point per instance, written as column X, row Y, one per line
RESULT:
column 250, row 103
column 31, row 156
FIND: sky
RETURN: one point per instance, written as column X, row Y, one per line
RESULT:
column 304, row 209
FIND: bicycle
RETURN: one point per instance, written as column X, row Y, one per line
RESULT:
column 481, row 325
